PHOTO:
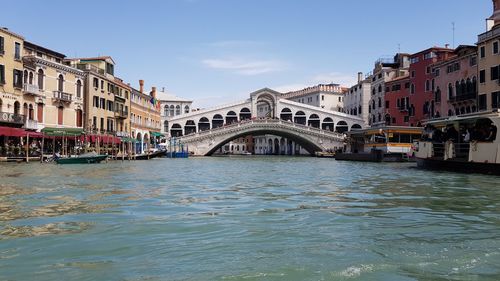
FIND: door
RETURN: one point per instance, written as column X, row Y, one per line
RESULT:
column 39, row 112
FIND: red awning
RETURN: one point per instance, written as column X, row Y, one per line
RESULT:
column 12, row 132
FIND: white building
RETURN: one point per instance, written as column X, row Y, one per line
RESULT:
column 171, row 106
column 357, row 98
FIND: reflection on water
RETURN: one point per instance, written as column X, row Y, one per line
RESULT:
column 254, row 218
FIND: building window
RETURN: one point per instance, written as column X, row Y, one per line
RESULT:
column 412, row 89
column 494, row 72
column 17, row 51
column 95, row 101
column 2, row 74
column 482, row 76
column 482, row 102
column 322, row 97
column 102, row 103
column 495, row 47
column 60, row 83
column 482, row 52
column 102, row 85
column 60, row 115
column 427, row 86
column 495, row 96
column 379, row 102
column 95, row 83
column 413, row 74
column 473, row 61
column 386, row 104
column 2, row 48
column 18, row 78
column 178, row 110
column 186, row 109
column 78, row 88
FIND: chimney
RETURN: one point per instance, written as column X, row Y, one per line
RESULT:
column 141, row 86
column 163, row 89
column 447, row 46
column 153, row 92
column 360, row 77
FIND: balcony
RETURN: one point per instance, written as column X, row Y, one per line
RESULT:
column 12, row 118
column 31, row 124
column 121, row 114
column 463, row 97
column 62, row 96
column 91, row 68
column 32, row 90
column 488, row 35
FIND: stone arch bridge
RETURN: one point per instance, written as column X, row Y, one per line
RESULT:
column 265, row 112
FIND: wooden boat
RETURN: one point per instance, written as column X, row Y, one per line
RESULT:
column 151, row 155
column 467, row 143
column 88, row 158
column 384, row 144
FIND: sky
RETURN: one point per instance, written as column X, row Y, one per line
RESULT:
column 219, row 51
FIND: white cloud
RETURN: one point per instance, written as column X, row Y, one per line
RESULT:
column 245, row 67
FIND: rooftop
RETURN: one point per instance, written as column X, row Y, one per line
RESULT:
column 164, row 96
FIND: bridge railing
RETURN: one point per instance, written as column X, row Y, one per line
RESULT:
column 264, row 121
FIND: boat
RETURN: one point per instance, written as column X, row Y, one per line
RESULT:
column 322, row 154
column 384, row 144
column 467, row 143
column 151, row 155
column 87, row 158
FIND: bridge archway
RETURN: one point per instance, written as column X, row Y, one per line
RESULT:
column 300, row 118
column 231, row 117
column 268, row 100
column 294, row 136
column 176, row 130
column 203, row 124
column 286, row 114
column 328, row 124
column 190, row 127
column 342, row 127
column 245, row 114
column 217, row 121
column 356, row 127
column 314, row 121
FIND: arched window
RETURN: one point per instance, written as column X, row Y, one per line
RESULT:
column 17, row 108
column 0, row 104
column 166, row 110
column 457, row 88
column 40, row 79
column 25, row 77
column 25, row 109
column 60, row 83
column 380, row 88
column 186, row 109
column 30, row 112
column 172, row 110
column 379, row 102
column 463, row 87
column 412, row 88
column 427, row 85
column 450, row 91
column 165, row 126
column 78, row 88
column 379, row 117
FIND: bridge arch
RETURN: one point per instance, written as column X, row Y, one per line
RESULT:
column 190, row 127
column 286, row 114
column 342, row 127
column 328, row 124
column 300, row 118
column 314, row 121
column 270, row 100
column 175, row 130
column 231, row 117
column 217, row 121
column 245, row 114
column 356, row 127
column 203, row 124
column 298, row 138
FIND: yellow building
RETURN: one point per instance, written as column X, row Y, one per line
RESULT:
column 489, row 63
column 11, row 79
column 106, row 97
column 53, row 92
column 145, row 118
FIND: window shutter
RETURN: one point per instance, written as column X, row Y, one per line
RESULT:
column 1, row 45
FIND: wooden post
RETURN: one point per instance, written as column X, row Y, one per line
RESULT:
column 41, row 154
column 27, row 147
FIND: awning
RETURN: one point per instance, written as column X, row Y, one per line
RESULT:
column 156, row 134
column 59, row 132
column 128, row 140
column 18, row 132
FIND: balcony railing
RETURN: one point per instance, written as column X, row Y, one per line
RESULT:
column 91, row 68
column 62, row 96
column 31, row 90
column 31, row 124
column 121, row 113
column 465, row 97
column 489, row 34
column 6, row 117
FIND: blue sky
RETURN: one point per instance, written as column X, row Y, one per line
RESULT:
column 218, row 51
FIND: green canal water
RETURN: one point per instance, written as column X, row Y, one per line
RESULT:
column 248, row 218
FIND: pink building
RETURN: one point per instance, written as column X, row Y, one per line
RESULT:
column 455, row 90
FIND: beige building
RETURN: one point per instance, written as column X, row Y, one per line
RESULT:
column 489, row 63
column 53, row 92
column 327, row 96
column 106, row 97
column 145, row 118
column 11, row 79
column 357, row 98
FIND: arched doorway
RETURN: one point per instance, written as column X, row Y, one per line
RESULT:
column 203, row 124
column 328, row 124
column 300, row 118
column 356, row 127
column 217, row 121
column 79, row 118
column 231, row 118
column 314, row 121
column 165, row 126
column 286, row 114
column 138, row 144
column 268, row 102
column 245, row 114
column 176, row 130
column 17, row 108
column 190, row 127
column 342, row 127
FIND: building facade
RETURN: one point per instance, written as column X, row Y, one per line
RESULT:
column 53, row 91
column 145, row 119
column 397, row 101
column 171, row 106
column 106, row 97
column 489, row 63
column 11, row 79
column 385, row 70
column 327, row 96
column 455, row 83
column 357, row 98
